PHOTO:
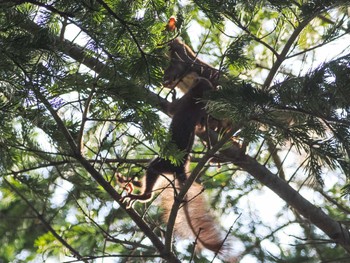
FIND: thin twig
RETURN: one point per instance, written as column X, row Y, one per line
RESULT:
column 84, row 119
column 125, row 24
column 282, row 56
column 44, row 222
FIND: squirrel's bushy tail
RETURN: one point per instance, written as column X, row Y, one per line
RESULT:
column 194, row 221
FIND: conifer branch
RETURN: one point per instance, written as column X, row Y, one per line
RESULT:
column 84, row 119
column 283, row 55
column 335, row 230
column 44, row 222
column 104, row 184
column 125, row 24
column 257, row 39
column 79, row 54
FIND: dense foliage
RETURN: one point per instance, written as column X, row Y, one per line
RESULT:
column 81, row 100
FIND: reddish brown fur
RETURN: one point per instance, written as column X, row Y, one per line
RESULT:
column 194, row 219
column 183, row 62
column 189, row 114
column 184, row 67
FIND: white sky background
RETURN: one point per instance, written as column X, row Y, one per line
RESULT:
column 266, row 204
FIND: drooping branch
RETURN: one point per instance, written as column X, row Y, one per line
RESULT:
column 335, row 230
column 125, row 24
column 67, row 47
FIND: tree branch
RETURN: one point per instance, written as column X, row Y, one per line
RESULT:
column 332, row 228
column 282, row 56
column 184, row 188
column 125, row 24
column 80, row 55
column 84, row 119
column 105, row 185
column 131, row 212
column 44, row 222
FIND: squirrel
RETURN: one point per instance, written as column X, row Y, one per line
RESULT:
column 193, row 219
column 184, row 68
column 183, row 62
column 189, row 113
